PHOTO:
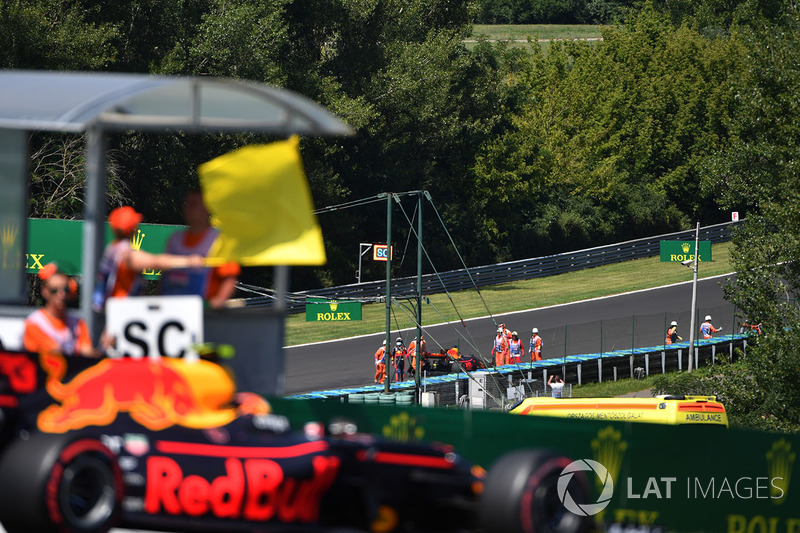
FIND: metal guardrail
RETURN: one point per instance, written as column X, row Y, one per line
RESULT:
column 574, row 369
column 455, row 280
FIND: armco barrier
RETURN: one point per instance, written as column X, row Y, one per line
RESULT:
column 455, row 280
column 454, row 388
column 665, row 478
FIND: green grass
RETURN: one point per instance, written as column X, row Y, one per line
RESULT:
column 516, row 35
column 610, row 389
column 515, row 296
column 507, row 32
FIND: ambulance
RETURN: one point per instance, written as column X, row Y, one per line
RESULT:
column 670, row 410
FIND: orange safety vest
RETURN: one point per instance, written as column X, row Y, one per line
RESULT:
column 500, row 344
column 536, row 344
column 45, row 333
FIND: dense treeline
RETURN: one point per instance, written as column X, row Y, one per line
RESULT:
column 552, row 11
column 525, row 153
column 685, row 111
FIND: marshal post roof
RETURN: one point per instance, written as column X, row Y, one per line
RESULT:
column 76, row 101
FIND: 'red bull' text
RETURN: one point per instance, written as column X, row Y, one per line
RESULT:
column 253, row 489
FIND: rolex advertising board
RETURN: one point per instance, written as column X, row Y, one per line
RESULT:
column 13, row 205
column 60, row 240
column 321, row 310
column 680, row 251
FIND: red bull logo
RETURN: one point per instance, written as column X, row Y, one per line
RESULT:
column 155, row 393
column 253, row 489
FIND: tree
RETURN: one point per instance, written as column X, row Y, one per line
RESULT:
column 51, row 34
column 756, row 174
column 57, row 178
column 612, row 138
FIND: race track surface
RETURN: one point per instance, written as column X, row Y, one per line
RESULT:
column 350, row 363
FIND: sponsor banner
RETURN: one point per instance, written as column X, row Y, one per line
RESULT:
column 13, row 210
column 320, row 310
column 679, row 251
column 642, row 477
column 61, row 241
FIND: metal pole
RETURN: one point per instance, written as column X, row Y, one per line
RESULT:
column 694, row 295
column 358, row 272
column 281, row 287
column 389, row 365
column 600, row 361
column 93, row 227
column 601, row 338
column 363, row 247
column 419, row 352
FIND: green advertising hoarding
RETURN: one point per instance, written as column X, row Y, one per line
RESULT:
column 13, row 203
column 321, row 310
column 679, row 251
column 60, row 240
column 665, row 478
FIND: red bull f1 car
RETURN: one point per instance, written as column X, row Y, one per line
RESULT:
column 169, row 444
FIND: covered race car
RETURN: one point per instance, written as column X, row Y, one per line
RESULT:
column 451, row 361
column 168, row 444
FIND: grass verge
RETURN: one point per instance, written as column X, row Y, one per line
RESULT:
column 513, row 32
column 611, row 389
column 515, row 296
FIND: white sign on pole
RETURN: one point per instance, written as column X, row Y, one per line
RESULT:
column 11, row 331
column 735, row 216
column 155, row 326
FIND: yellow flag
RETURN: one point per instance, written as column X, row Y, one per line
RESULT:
column 260, row 198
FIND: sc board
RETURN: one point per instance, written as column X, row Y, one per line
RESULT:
column 156, row 326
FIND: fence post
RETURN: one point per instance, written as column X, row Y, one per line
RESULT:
column 647, row 364
column 663, row 362
column 601, row 338
column 615, row 373
column 579, row 374
column 631, row 358
column 680, row 356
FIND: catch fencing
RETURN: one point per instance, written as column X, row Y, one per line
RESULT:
column 580, row 353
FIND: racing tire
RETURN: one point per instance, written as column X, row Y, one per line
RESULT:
column 521, row 495
column 59, row 483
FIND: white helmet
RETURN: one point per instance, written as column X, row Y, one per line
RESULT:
column 535, row 330
column 384, row 342
column 673, row 323
column 513, row 333
column 708, row 317
column 499, row 330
